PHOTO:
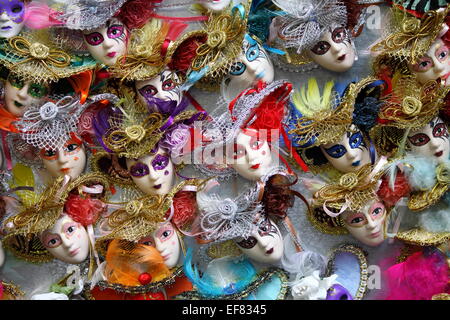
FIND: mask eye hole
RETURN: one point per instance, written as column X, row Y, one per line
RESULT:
column 321, row 48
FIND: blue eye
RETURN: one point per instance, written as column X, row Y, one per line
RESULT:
column 237, row 69
column 336, row 151
column 252, row 53
column 356, row 140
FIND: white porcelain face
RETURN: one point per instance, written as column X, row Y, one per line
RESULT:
column 69, row 160
column 349, row 154
column 434, row 65
column 265, row 245
column 153, row 174
column 335, row 50
column 367, row 226
column 165, row 86
column 67, row 240
column 11, row 18
column 166, row 241
column 19, row 95
column 431, row 141
column 215, row 5
column 250, row 156
column 107, row 43
column 2, row 255
column 252, row 65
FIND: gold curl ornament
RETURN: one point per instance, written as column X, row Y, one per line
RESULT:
column 39, row 52
column 411, row 106
column 443, row 174
column 134, row 207
column 349, row 181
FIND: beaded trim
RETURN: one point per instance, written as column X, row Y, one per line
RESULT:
column 261, row 279
column 361, row 255
column 423, row 238
column 12, row 290
column 151, row 287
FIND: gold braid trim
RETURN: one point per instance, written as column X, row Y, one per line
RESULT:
column 423, row 238
column 410, row 105
column 329, row 126
column 354, row 190
column 423, row 199
column 411, row 37
column 11, row 291
column 141, row 217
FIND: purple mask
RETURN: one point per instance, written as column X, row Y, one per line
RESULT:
column 338, row 292
column 15, row 9
column 165, row 107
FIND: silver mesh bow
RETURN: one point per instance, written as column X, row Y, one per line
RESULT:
column 306, row 21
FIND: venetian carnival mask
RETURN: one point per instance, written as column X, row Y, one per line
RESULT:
column 251, row 155
column 335, row 50
column 165, row 240
column 215, row 5
column 69, row 160
column 367, row 226
column 434, row 65
column 67, row 240
column 152, row 174
column 106, row 44
column 164, row 86
column 11, row 18
column 21, row 94
column 265, row 244
column 431, row 140
column 252, row 65
column 350, row 153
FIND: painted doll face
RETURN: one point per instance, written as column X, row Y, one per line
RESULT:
column 349, row 154
column 67, row 240
column 334, row 51
column 19, row 95
column 216, row 5
column 265, row 244
column 166, row 241
column 367, row 226
column 252, row 65
column 107, row 43
column 152, row 174
column 434, row 65
column 69, row 160
column 431, row 140
column 11, row 18
column 250, row 156
column 165, row 86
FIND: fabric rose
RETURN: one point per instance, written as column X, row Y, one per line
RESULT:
column 313, row 287
column 401, row 189
column 83, row 210
column 175, row 139
column 184, row 205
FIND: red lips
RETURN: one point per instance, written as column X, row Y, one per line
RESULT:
column 438, row 154
column 256, row 166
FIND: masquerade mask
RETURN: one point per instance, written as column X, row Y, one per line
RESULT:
column 11, row 17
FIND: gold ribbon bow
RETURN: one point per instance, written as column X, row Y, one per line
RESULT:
column 353, row 189
column 119, row 139
column 133, row 63
column 40, row 53
column 412, row 32
column 220, row 31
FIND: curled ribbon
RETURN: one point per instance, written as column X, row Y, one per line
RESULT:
column 39, row 52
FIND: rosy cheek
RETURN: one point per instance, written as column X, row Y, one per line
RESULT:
column 79, row 236
column 173, row 243
column 263, row 153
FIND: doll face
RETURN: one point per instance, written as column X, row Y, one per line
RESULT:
column 334, row 51
column 250, row 156
column 107, row 43
column 11, row 18
column 69, row 160
column 166, row 241
column 21, row 94
column 349, row 154
column 434, row 65
column 265, row 244
column 152, row 174
column 251, row 66
column 367, row 226
column 165, row 86
column 216, row 5
column 67, row 240
column 431, row 140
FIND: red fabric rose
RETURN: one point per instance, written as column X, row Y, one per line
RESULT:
column 83, row 210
